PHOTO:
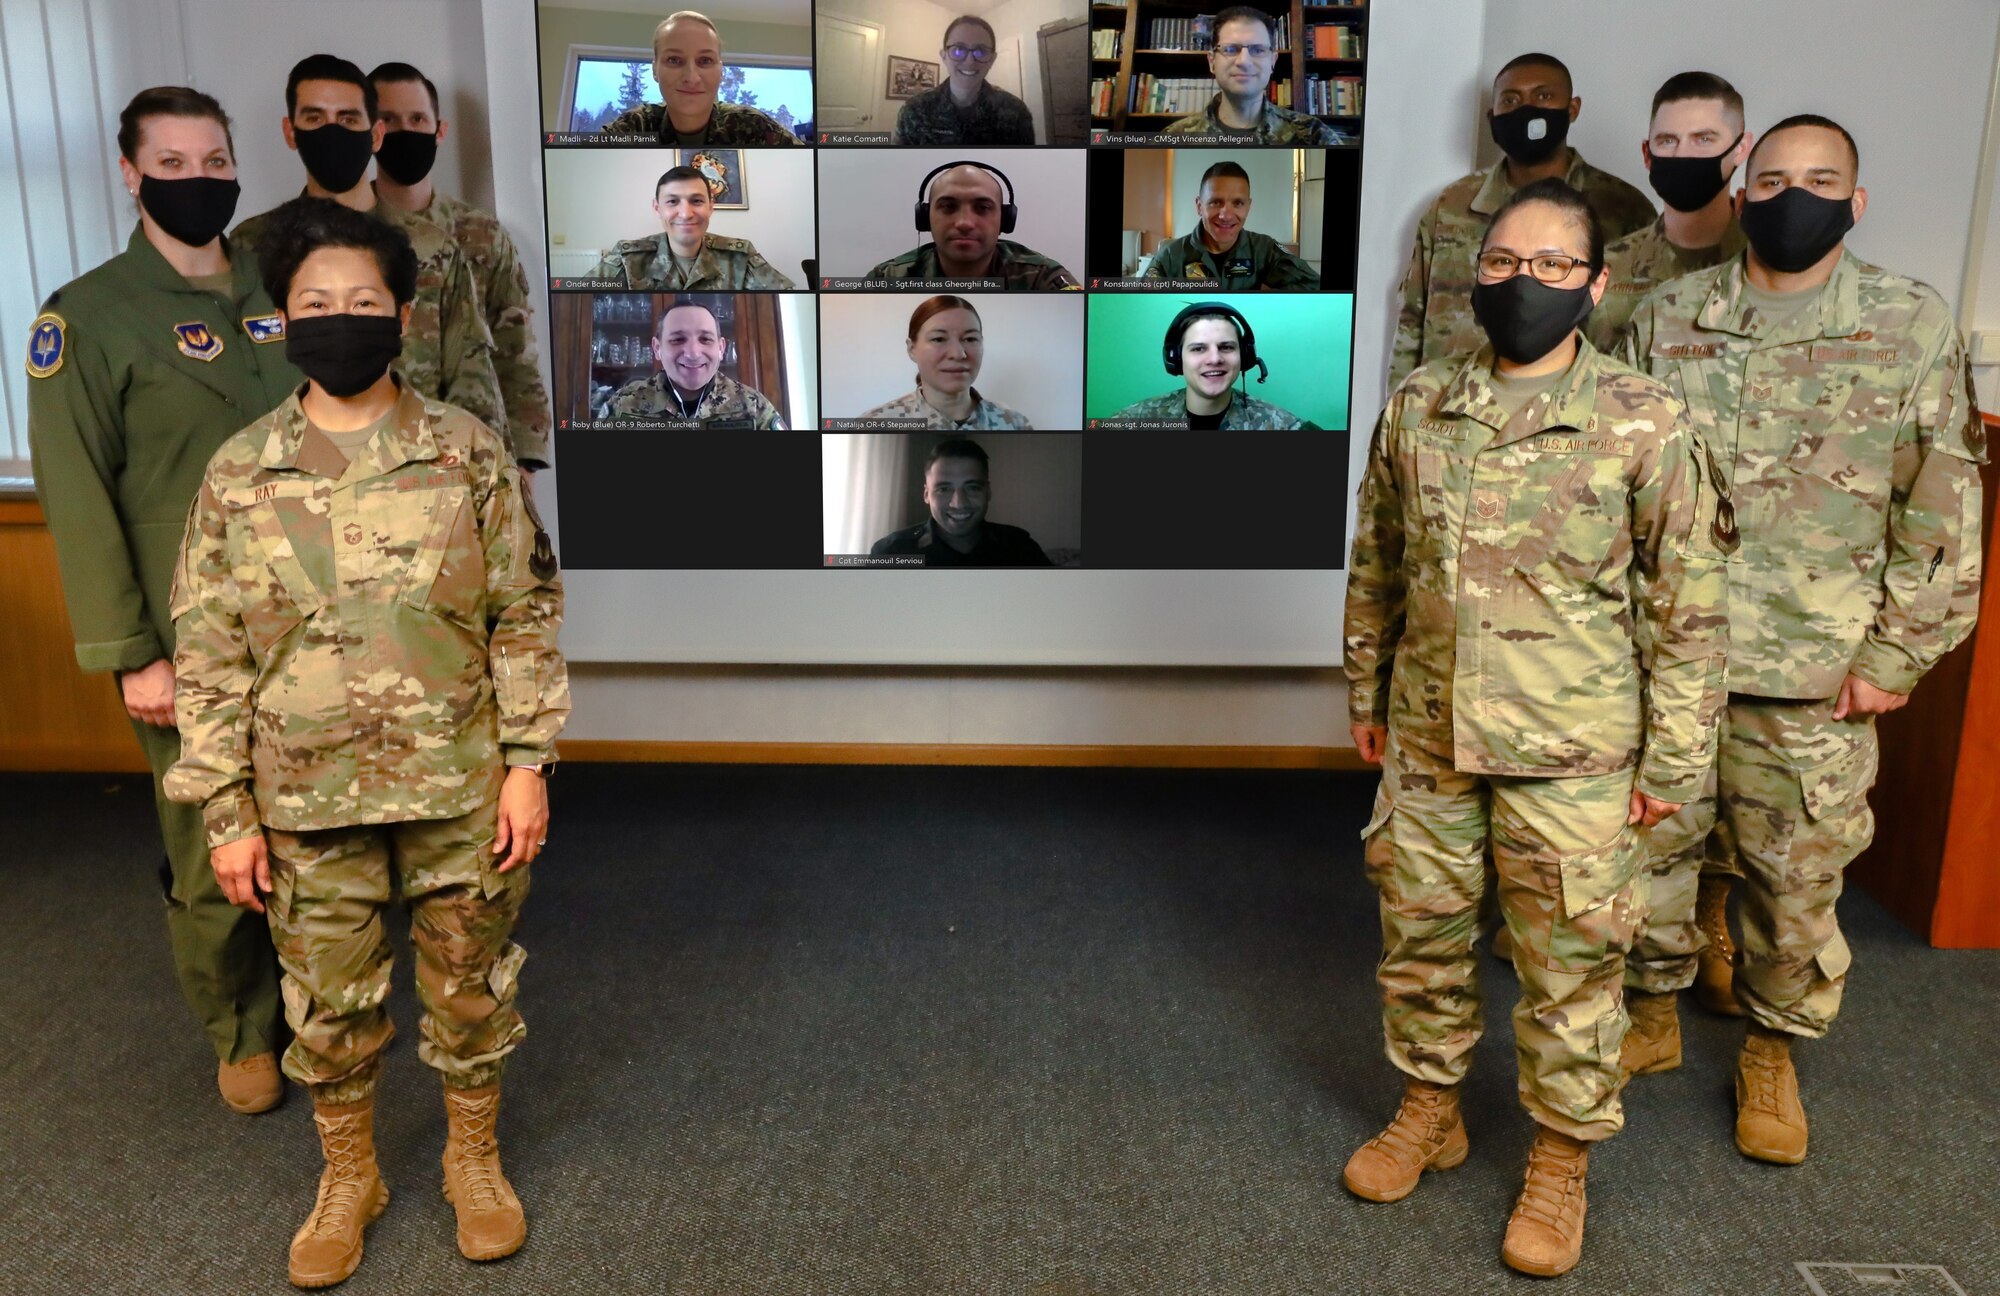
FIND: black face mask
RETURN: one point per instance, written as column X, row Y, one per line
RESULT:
column 1796, row 228
column 408, row 156
column 1530, row 135
column 192, row 211
column 1524, row 318
column 334, row 155
column 1690, row 183
column 344, row 354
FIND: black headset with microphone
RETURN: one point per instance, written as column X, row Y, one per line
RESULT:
column 1247, row 340
column 1008, row 211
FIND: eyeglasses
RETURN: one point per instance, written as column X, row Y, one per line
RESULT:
column 977, row 53
column 1549, row 267
column 1254, row 51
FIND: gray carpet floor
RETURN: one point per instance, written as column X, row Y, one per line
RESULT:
column 1056, row 1033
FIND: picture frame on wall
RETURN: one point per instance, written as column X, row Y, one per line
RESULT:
column 723, row 168
column 910, row 77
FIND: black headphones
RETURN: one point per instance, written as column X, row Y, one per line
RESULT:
column 1008, row 211
column 1246, row 339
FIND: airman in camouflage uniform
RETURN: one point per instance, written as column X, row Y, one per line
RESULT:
column 1021, row 268
column 1256, row 261
column 722, row 265
column 1278, row 127
column 995, row 117
column 502, row 288
column 730, row 124
column 447, row 348
column 1843, row 422
column 1245, row 413
column 726, row 404
column 987, row 416
column 1641, row 262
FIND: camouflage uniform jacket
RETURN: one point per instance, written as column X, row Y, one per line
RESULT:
column 505, row 301
column 995, row 117
column 447, row 349
column 1245, row 413
column 986, row 416
column 1850, row 437
column 727, row 404
column 729, row 124
column 722, row 265
column 362, row 643
column 1642, row 262
column 1255, row 262
column 1501, row 566
column 1436, row 316
column 1018, row 266
column 1276, row 126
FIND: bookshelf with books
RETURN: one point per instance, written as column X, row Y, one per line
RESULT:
column 1159, row 71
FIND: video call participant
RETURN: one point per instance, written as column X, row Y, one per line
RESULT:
column 1219, row 249
column 1695, row 142
column 294, row 663
column 332, row 122
column 687, row 67
column 965, row 214
column 966, row 110
column 947, row 342
column 407, row 102
column 688, row 346
column 1454, row 686
column 958, row 488
column 137, row 372
column 684, row 256
column 1210, row 346
column 1244, row 55
column 1533, row 106
column 1859, row 570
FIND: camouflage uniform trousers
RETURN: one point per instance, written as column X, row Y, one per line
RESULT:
column 328, row 890
column 1789, row 804
column 1571, row 892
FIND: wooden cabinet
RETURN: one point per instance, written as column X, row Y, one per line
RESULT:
column 603, row 341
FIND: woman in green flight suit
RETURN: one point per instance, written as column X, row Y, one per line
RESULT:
column 139, row 370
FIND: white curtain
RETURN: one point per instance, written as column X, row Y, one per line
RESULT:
column 863, row 479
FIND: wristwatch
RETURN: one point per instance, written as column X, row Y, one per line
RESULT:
column 546, row 769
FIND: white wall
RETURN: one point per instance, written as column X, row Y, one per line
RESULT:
column 598, row 196
column 1033, row 362
column 1270, row 187
column 1908, row 80
column 868, row 199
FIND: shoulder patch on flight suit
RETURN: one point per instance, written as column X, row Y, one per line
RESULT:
column 265, row 328
column 1195, row 270
column 48, row 336
column 1240, row 266
column 198, row 341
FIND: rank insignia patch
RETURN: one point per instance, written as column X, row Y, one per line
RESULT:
column 47, row 338
column 265, row 328
column 198, row 342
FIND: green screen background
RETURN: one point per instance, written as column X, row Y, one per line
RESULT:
column 1304, row 339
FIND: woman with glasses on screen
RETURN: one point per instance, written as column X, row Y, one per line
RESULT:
column 965, row 110
column 947, row 343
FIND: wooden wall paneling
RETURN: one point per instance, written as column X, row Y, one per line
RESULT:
column 570, row 331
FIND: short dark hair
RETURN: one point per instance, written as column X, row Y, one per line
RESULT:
column 167, row 101
column 1682, row 86
column 328, row 67
column 1810, row 119
column 1537, row 60
column 938, row 305
column 397, row 73
column 963, row 19
column 1231, row 170
column 1557, row 193
column 958, row 448
column 672, row 174
column 1246, row 13
column 301, row 227
column 676, row 304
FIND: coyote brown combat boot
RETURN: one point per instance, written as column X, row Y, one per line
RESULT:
column 1545, row 1233
column 1770, row 1120
column 1715, row 967
column 1653, row 1043
column 252, row 1085
column 1427, row 1134
column 491, row 1223
column 327, row 1247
